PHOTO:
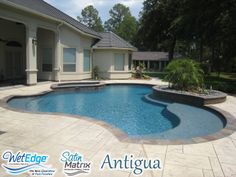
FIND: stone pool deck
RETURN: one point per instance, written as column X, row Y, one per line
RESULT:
column 52, row 134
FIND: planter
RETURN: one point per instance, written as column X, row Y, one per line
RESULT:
column 195, row 99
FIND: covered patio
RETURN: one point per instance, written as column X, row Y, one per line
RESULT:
column 152, row 61
column 27, row 52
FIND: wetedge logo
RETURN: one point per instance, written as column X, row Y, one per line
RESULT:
column 74, row 164
column 128, row 162
column 22, row 162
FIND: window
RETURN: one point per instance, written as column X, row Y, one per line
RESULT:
column 119, row 62
column 69, row 60
column 130, row 61
column 86, row 60
column 47, row 60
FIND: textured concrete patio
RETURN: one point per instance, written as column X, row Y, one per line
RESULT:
column 52, row 134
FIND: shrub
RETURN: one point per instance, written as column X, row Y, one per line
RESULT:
column 95, row 72
column 184, row 74
column 139, row 71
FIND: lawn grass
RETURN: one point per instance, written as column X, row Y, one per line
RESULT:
column 160, row 75
column 226, row 82
column 227, row 76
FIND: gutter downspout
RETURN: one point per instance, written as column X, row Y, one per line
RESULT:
column 58, row 59
column 92, row 57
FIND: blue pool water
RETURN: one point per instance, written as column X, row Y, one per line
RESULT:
column 124, row 107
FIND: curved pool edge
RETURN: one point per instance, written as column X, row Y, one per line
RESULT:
column 229, row 129
column 229, row 123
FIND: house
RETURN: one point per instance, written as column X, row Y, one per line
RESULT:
column 39, row 42
column 152, row 61
column 109, row 47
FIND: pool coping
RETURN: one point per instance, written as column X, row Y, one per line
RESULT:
column 229, row 129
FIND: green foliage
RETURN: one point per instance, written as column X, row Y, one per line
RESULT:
column 212, row 33
column 128, row 28
column 122, row 22
column 160, row 75
column 91, row 18
column 226, row 82
column 155, row 32
column 203, row 30
column 184, row 74
column 117, row 14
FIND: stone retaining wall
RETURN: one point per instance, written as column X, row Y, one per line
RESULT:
column 163, row 93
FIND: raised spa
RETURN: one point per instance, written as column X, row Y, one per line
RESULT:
column 126, row 107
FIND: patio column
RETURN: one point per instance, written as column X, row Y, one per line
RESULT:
column 56, row 67
column 31, row 55
column 148, row 65
column 160, row 66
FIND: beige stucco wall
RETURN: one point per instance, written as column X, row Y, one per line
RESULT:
column 71, row 39
column 46, row 39
column 104, row 59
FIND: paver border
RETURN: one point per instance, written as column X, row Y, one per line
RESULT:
column 229, row 129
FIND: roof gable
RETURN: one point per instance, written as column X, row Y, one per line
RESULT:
column 111, row 40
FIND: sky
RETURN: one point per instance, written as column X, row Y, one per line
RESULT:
column 74, row 7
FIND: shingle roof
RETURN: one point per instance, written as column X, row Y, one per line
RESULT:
column 42, row 7
column 151, row 56
column 111, row 40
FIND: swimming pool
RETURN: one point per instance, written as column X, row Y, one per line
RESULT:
column 125, row 107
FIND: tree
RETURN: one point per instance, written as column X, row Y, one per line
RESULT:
column 156, row 31
column 122, row 22
column 211, row 27
column 128, row 28
column 91, row 19
column 117, row 13
column 204, row 30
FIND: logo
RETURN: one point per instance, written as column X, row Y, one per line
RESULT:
column 129, row 163
column 22, row 162
column 74, row 164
